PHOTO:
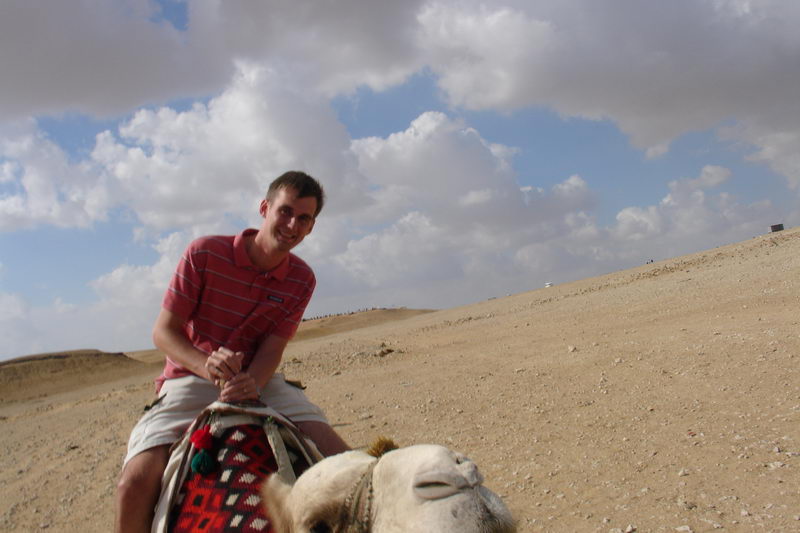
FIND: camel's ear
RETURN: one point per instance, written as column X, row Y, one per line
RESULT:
column 274, row 493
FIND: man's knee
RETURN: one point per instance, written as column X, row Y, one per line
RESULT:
column 142, row 473
column 327, row 440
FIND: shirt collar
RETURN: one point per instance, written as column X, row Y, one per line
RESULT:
column 241, row 258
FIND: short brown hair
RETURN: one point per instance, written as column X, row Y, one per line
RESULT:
column 305, row 185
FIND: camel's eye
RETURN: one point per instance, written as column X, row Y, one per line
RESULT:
column 321, row 527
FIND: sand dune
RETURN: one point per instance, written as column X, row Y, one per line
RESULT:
column 661, row 397
column 42, row 375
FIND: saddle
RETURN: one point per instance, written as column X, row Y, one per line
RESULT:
column 214, row 474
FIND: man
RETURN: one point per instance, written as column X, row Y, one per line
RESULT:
column 231, row 308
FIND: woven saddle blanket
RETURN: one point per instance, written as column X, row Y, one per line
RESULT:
column 214, row 475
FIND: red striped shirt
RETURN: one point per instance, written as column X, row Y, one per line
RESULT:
column 226, row 301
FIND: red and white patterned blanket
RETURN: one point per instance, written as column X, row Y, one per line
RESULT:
column 228, row 497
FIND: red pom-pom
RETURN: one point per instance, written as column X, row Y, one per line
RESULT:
column 202, row 438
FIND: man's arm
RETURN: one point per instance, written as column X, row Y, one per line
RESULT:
column 267, row 359
column 262, row 368
column 264, row 364
column 170, row 337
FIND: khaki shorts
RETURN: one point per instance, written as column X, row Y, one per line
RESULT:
column 182, row 399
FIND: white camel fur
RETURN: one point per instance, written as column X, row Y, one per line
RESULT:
column 422, row 488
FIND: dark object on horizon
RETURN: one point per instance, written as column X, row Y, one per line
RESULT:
column 776, row 227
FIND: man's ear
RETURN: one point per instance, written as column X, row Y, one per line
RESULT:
column 263, row 207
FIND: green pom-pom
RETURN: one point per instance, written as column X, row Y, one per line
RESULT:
column 203, row 463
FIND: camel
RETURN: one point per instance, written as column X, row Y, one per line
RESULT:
column 215, row 471
column 421, row 488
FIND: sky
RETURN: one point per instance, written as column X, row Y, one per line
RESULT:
column 468, row 149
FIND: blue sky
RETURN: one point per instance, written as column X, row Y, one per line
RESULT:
column 469, row 149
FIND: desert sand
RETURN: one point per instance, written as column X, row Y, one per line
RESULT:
column 661, row 398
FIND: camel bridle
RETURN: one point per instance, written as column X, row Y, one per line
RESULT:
column 356, row 515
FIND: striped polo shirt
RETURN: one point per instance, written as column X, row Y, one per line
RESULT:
column 227, row 301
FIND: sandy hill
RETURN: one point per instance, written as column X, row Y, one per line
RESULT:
column 43, row 375
column 661, row 398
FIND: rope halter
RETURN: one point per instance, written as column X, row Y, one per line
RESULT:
column 356, row 515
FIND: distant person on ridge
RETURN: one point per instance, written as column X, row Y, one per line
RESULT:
column 231, row 307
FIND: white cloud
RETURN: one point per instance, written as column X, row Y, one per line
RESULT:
column 480, row 51
column 776, row 147
column 433, row 163
column 9, row 171
column 401, row 254
column 689, row 217
column 475, row 198
column 12, row 307
column 448, row 214
column 19, row 336
column 449, row 224
column 334, row 47
column 102, row 57
column 126, row 57
column 129, row 297
column 711, row 176
column 657, row 71
column 635, row 223
column 62, row 307
column 128, row 300
column 44, row 187
column 191, row 169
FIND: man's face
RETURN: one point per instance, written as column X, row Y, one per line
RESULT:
column 287, row 218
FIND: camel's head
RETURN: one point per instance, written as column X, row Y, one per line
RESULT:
column 423, row 488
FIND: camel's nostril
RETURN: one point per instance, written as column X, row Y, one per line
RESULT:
column 460, row 458
column 432, row 484
column 438, row 484
column 435, row 490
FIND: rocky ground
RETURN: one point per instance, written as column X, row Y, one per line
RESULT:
column 662, row 398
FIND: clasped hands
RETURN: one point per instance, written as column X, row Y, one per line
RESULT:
column 224, row 369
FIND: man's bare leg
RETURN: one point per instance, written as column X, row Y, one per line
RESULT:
column 138, row 490
column 327, row 440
